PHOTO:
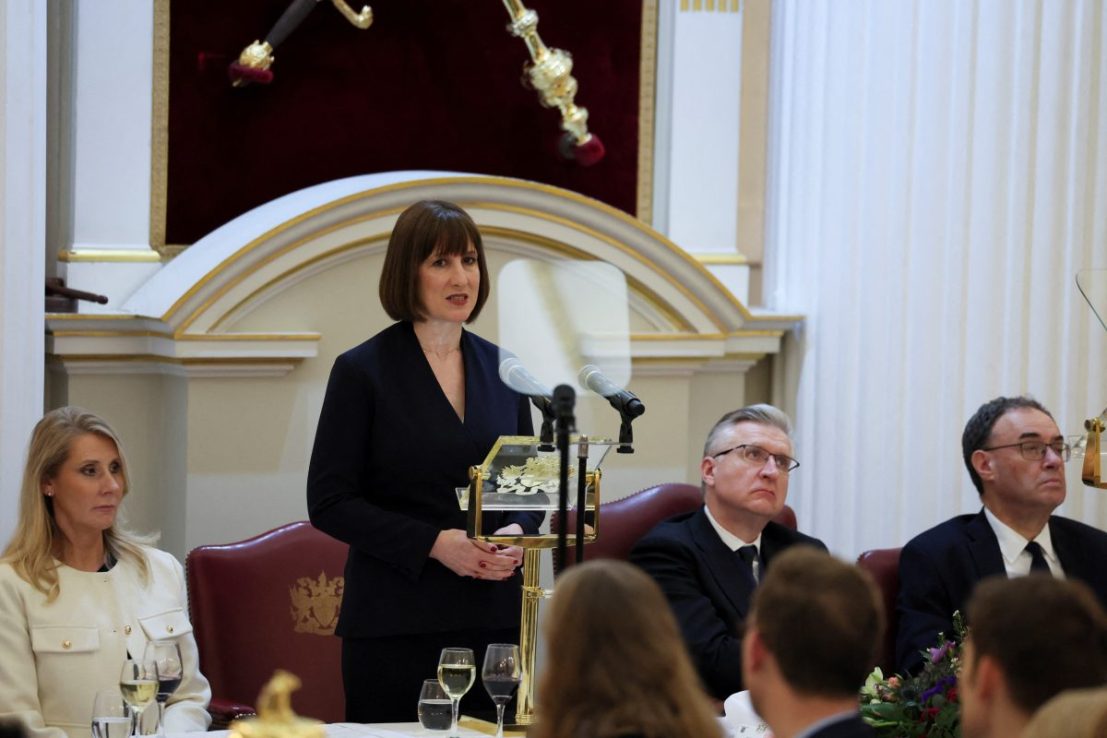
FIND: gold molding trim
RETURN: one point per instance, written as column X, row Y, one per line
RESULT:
column 727, row 259
column 111, row 334
column 110, row 255
column 177, row 360
column 647, row 106
column 159, row 127
column 711, row 6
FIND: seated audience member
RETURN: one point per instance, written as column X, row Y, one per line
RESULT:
column 1077, row 713
column 810, row 641
column 78, row 592
column 1016, row 457
column 1031, row 639
column 615, row 663
column 709, row 561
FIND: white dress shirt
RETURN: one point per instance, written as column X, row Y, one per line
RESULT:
column 1012, row 546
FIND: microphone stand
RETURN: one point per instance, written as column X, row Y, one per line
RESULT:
column 582, row 484
column 545, row 433
column 563, row 400
column 626, row 433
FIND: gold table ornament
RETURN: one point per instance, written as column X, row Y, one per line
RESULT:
column 275, row 718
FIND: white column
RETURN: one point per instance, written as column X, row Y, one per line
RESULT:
column 697, row 120
column 110, row 135
column 22, row 236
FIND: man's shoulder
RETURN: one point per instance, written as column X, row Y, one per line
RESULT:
column 782, row 535
column 944, row 533
column 1068, row 526
column 675, row 528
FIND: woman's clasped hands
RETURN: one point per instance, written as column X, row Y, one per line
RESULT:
column 478, row 559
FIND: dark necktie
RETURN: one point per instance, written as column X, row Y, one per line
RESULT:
column 748, row 555
column 1038, row 564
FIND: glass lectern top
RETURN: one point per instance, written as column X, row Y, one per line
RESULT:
column 518, row 474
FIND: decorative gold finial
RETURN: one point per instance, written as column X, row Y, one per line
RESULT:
column 550, row 73
column 1092, row 474
column 275, row 717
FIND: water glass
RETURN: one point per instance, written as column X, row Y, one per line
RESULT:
column 435, row 708
column 111, row 718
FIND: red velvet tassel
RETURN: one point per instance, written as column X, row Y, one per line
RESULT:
column 241, row 73
column 585, row 154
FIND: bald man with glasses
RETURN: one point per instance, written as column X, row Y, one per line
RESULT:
column 1015, row 455
column 708, row 562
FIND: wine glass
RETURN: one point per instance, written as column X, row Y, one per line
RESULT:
column 501, row 675
column 166, row 658
column 456, row 671
column 434, row 706
column 138, row 682
column 110, row 716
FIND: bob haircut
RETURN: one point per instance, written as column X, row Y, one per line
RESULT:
column 427, row 227
column 31, row 550
column 616, row 663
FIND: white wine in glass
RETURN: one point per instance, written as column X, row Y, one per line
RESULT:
column 501, row 676
column 138, row 683
column 457, row 670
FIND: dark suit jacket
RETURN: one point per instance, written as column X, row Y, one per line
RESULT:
column 389, row 451
column 939, row 568
column 851, row 727
column 708, row 590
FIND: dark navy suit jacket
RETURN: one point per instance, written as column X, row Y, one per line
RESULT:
column 389, row 451
column 708, row 590
column 939, row 568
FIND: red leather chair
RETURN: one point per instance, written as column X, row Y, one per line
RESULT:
column 624, row 521
column 883, row 565
column 266, row 603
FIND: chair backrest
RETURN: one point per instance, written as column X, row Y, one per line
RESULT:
column 624, row 521
column 883, row 565
column 266, row 603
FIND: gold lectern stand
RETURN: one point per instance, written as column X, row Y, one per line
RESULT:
column 517, row 476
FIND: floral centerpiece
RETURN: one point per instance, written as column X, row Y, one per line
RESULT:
column 925, row 704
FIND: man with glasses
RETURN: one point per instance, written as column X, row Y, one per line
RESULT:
column 1016, row 457
column 709, row 561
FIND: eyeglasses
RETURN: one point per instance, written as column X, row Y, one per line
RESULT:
column 1035, row 450
column 759, row 457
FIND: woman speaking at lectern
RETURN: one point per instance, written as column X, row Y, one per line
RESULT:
column 405, row 415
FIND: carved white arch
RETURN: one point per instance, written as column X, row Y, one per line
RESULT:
column 180, row 315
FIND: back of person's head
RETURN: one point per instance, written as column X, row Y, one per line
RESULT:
column 615, row 661
column 1077, row 713
column 979, row 428
column 821, row 619
column 11, row 728
column 1046, row 635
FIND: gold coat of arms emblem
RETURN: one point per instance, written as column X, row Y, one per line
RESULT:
column 315, row 604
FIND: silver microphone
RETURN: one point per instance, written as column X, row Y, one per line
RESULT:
column 516, row 376
column 621, row 399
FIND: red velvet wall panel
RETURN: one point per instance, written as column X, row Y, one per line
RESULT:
column 432, row 84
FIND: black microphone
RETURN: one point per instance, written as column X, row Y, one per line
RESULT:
column 622, row 400
column 516, row 376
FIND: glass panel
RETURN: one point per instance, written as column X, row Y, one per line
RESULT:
column 1092, row 284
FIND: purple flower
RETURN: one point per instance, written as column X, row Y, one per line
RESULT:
column 938, row 688
column 937, row 654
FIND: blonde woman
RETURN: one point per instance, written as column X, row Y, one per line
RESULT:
column 616, row 666
column 78, row 592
